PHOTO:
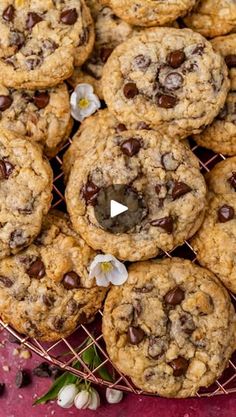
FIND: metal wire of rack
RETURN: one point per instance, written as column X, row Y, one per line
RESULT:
column 65, row 352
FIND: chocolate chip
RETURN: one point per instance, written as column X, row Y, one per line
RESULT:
column 72, row 307
column 130, row 90
column 32, row 20
column 82, row 318
column 135, row 335
column 7, row 282
column 166, row 102
column 69, row 17
column 187, row 324
column 90, row 192
column 22, row 378
column 48, row 301
column 232, row 180
column 143, row 126
column 105, row 53
column 42, row 370
column 174, row 296
column 180, row 366
column 36, row 269
column 5, row 102
column 17, row 239
column 16, row 39
column 131, row 147
column 158, row 189
column 71, row 280
column 156, row 347
column 41, row 99
column 225, row 213
column 33, row 63
column 198, row 50
column 142, row 61
column 144, row 290
column 230, row 61
column 58, row 323
column 6, row 168
column 165, row 223
column 176, row 58
column 121, row 128
column 173, row 81
column 180, row 189
column 9, row 13
column 2, row 388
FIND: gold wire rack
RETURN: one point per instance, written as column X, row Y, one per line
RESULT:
column 55, row 352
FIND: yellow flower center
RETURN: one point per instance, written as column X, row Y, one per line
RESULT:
column 83, row 103
column 20, row 3
column 106, row 267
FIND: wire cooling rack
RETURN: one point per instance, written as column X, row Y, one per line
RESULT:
column 65, row 352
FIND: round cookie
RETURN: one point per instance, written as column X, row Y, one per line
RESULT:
column 150, row 12
column 25, row 192
column 42, row 40
column 45, row 291
column 222, row 178
column 171, row 79
column 43, row 116
column 212, row 17
column 163, row 173
column 186, row 344
column 110, row 32
column 220, row 136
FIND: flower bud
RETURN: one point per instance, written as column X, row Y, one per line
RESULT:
column 66, row 396
column 82, row 400
column 113, row 396
column 94, row 400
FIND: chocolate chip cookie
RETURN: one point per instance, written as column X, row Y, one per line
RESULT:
column 162, row 173
column 222, row 178
column 43, row 116
column 110, row 32
column 45, row 291
column 212, row 17
column 220, row 136
column 150, row 12
column 171, row 79
column 42, row 40
column 25, row 192
column 186, row 343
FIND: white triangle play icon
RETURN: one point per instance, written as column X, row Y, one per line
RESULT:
column 117, row 208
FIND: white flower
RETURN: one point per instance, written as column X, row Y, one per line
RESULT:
column 83, row 102
column 113, row 396
column 66, row 396
column 106, row 269
column 94, row 400
column 82, row 400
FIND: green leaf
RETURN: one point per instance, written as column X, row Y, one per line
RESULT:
column 102, row 371
column 88, row 355
column 63, row 380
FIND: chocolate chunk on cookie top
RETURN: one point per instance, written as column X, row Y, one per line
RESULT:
column 171, row 79
column 170, row 328
column 42, row 40
column 45, row 291
column 156, row 178
column 25, row 192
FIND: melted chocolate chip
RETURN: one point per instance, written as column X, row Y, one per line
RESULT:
column 143, row 126
column 7, row 282
column 36, row 269
column 58, row 323
column 105, row 53
column 121, row 128
column 90, row 192
column 32, row 20
column 166, row 102
column 142, row 61
column 187, row 324
column 225, row 213
column 130, row 90
column 17, row 39
column 230, row 61
column 174, row 296
column 72, row 307
column 232, row 180
column 22, row 379
column 173, row 81
column 6, row 169
column 165, row 223
column 156, row 347
column 135, row 335
column 71, row 280
column 48, row 301
column 198, row 50
column 180, row 366
column 17, row 239
column 180, row 189
column 42, row 370
column 33, row 63
column 9, row 13
column 69, row 17
column 176, row 58
column 131, row 147
column 5, row 102
column 41, row 99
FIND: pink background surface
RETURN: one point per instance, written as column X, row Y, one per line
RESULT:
column 18, row 402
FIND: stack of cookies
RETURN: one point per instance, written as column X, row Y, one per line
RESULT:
column 171, row 327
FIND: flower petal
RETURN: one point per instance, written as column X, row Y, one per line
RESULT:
column 83, row 90
column 118, row 276
column 102, row 282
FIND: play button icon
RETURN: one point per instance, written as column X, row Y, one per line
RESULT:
column 120, row 208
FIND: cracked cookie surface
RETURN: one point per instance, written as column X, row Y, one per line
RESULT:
column 25, row 192
column 43, row 116
column 186, row 344
column 171, row 79
column 37, row 35
column 160, row 170
column 220, row 136
column 45, row 291
column 150, row 12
